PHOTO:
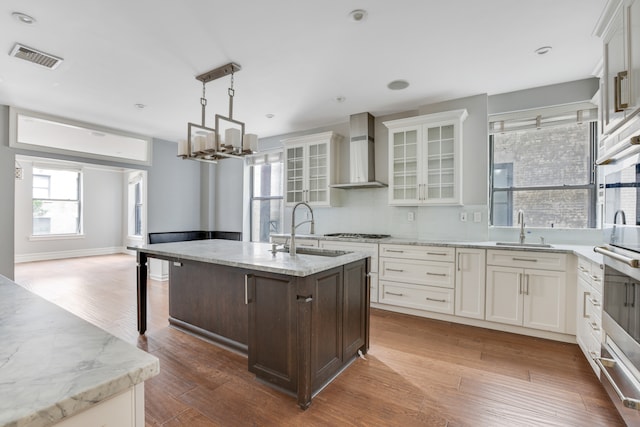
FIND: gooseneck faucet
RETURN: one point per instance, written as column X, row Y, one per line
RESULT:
column 292, row 246
column 521, row 223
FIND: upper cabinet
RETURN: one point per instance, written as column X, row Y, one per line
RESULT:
column 425, row 159
column 310, row 168
column 619, row 28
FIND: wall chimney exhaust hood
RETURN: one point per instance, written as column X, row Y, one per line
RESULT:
column 361, row 154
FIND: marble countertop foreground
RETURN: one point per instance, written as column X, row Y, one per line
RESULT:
column 54, row 364
column 252, row 256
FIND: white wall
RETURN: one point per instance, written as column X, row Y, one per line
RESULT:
column 228, row 195
column 102, row 206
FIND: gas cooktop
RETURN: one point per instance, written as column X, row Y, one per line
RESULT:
column 358, row 235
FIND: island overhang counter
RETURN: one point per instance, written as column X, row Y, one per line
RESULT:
column 300, row 320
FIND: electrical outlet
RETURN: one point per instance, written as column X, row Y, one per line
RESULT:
column 411, row 216
column 463, row 216
column 477, row 216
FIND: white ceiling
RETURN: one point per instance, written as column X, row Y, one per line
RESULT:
column 296, row 57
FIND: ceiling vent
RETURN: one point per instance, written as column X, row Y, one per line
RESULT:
column 35, row 56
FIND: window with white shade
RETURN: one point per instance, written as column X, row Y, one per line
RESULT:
column 56, row 198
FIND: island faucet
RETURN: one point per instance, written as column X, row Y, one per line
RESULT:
column 521, row 223
column 292, row 246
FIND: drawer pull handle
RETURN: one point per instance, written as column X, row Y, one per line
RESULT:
column 595, row 278
column 395, row 251
column 604, row 363
column 584, row 270
column 395, row 270
column 436, row 274
column 435, row 300
column 594, row 302
column 437, row 253
column 525, row 259
column 594, row 326
column 393, row 293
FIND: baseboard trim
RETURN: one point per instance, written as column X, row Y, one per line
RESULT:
column 78, row 253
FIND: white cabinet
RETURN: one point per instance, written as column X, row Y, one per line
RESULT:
column 529, row 297
column 425, row 159
column 123, row 410
column 589, row 310
column 470, row 282
column 419, row 277
column 310, row 169
column 368, row 248
column 619, row 29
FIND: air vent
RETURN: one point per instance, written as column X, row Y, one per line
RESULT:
column 35, row 56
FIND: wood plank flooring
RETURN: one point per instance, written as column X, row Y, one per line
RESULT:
column 419, row 372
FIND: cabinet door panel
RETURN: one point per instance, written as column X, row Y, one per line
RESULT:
column 615, row 63
column 354, row 308
column 470, row 283
column 272, row 329
column 504, row 297
column 545, row 300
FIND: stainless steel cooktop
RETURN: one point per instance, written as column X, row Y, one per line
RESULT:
column 357, row 235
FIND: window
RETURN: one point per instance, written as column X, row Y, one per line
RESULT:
column 135, row 206
column 56, row 201
column 267, row 200
column 547, row 171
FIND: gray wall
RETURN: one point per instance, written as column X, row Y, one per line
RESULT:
column 7, row 188
column 102, row 208
column 174, row 190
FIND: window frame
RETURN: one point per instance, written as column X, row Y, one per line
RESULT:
column 79, row 225
column 591, row 186
column 252, row 197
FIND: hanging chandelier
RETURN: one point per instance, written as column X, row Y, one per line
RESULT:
column 227, row 139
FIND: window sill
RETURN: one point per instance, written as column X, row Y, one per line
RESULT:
column 56, row 237
column 140, row 238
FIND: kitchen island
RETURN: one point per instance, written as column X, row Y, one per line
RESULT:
column 300, row 320
column 56, row 368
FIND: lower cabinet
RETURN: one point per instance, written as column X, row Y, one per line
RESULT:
column 470, row 282
column 589, row 310
column 303, row 331
column 526, row 297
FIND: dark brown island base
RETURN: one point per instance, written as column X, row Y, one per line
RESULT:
column 300, row 320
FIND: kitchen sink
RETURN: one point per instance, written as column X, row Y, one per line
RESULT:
column 524, row 245
column 315, row 252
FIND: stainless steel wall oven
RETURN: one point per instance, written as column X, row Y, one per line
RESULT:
column 620, row 359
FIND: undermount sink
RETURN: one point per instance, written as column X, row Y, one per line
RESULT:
column 524, row 245
column 316, row 252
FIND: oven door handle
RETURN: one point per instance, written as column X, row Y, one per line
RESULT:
column 628, row 402
column 633, row 262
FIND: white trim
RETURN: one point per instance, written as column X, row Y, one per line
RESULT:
column 78, row 253
column 39, row 237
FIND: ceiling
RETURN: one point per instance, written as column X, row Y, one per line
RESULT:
column 297, row 57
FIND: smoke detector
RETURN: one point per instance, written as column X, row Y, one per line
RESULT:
column 36, row 56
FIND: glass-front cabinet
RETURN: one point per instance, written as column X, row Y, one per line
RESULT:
column 425, row 157
column 310, row 169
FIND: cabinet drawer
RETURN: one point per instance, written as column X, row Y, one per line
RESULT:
column 524, row 259
column 373, row 287
column 591, row 272
column 419, row 297
column 426, row 253
column 418, row 272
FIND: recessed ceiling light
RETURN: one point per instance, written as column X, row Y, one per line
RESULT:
column 339, row 99
column 358, row 15
column 140, row 106
column 23, row 18
column 398, row 85
column 543, row 50
column 269, row 116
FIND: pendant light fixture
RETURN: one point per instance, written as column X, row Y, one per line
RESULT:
column 228, row 138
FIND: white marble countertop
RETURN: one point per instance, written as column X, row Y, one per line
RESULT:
column 54, row 364
column 252, row 256
column 583, row 251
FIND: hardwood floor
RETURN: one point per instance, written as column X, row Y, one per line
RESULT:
column 419, row 372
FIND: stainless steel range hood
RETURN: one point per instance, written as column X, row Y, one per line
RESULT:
column 361, row 154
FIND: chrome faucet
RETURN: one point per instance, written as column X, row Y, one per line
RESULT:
column 521, row 223
column 292, row 246
column 621, row 213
